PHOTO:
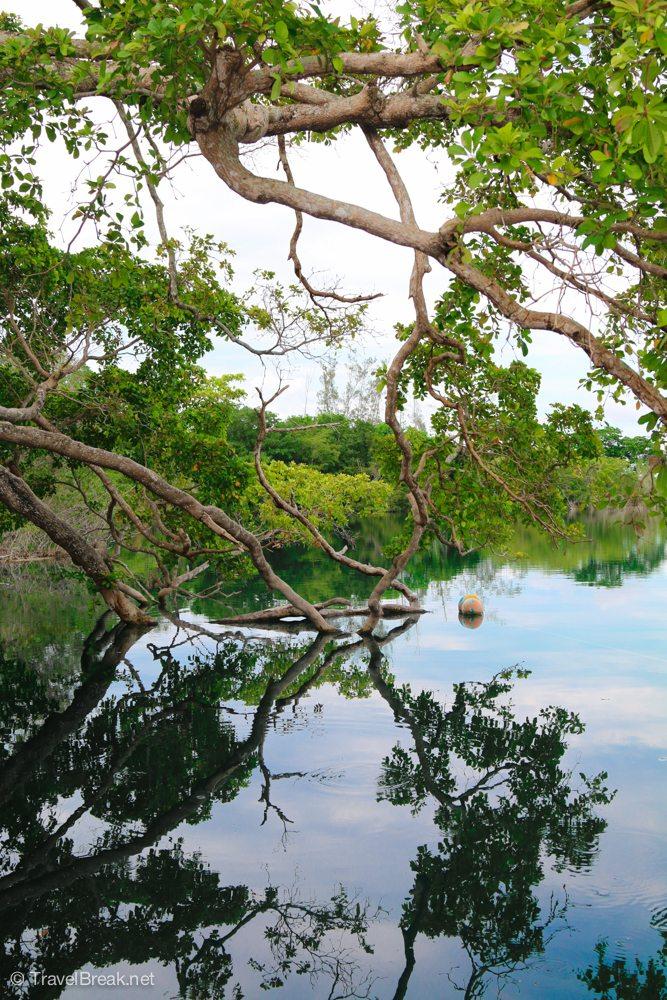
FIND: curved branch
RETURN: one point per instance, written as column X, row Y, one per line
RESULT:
column 314, row 293
column 487, row 220
column 417, row 496
column 533, row 319
column 220, row 147
column 211, row 516
column 17, row 496
column 295, row 512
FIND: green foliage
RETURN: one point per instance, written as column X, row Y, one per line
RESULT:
column 614, row 980
column 545, row 102
column 106, row 289
column 595, row 100
column 595, row 485
column 143, row 394
column 492, row 460
column 178, row 423
column 332, row 501
column 341, row 445
column 617, row 445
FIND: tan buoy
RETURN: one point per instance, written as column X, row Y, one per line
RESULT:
column 471, row 611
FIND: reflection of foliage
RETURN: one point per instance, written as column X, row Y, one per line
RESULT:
column 613, row 980
column 159, row 908
column 142, row 761
column 612, row 546
column 612, row 573
column 142, row 757
column 45, row 612
column 612, row 552
column 245, row 676
column 303, row 927
column 503, row 802
column 44, row 607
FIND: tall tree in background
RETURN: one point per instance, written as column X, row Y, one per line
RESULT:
column 357, row 397
column 552, row 115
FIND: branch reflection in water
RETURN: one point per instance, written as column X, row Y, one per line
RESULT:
column 130, row 760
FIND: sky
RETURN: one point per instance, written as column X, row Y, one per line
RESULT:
column 260, row 236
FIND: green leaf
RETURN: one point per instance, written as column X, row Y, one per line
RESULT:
column 281, row 32
column 275, row 89
column 653, row 142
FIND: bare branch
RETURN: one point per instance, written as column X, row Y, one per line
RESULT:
column 314, row 293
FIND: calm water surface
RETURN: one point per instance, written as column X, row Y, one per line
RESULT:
column 446, row 812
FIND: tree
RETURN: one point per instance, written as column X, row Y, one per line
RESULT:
column 359, row 399
column 554, row 119
column 617, row 445
column 71, row 320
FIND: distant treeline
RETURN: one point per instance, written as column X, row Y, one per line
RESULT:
column 331, row 442
column 335, row 443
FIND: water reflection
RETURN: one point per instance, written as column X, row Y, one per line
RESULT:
column 44, row 605
column 618, row 978
column 609, row 553
column 92, row 793
column 469, row 622
column 503, row 805
column 141, row 764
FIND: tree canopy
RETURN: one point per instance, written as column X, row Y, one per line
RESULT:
column 551, row 120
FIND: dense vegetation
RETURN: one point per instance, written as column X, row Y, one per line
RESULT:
column 341, row 469
column 613, row 474
column 551, row 117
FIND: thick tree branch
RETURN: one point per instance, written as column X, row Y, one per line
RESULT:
column 211, row 516
column 17, row 496
column 533, row 319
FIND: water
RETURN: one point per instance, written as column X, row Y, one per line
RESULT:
column 226, row 816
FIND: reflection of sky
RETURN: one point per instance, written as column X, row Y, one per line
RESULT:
column 599, row 652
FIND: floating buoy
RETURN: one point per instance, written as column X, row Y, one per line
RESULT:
column 470, row 606
column 471, row 621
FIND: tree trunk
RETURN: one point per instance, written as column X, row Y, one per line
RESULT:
column 17, row 496
column 213, row 517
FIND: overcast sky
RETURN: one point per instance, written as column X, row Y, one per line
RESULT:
column 260, row 236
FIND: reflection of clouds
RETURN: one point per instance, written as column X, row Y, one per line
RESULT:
column 623, row 879
column 617, row 715
column 637, row 603
column 444, row 641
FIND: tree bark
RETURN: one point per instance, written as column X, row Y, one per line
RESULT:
column 17, row 496
column 213, row 517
